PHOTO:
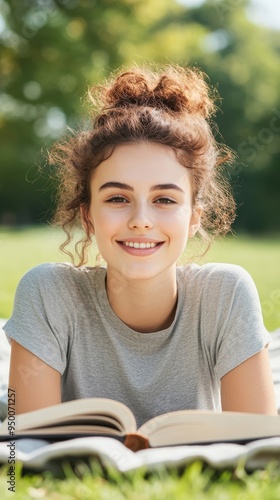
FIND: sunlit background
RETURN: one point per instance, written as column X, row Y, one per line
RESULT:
column 51, row 50
column 263, row 12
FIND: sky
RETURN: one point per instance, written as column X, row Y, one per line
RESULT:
column 264, row 12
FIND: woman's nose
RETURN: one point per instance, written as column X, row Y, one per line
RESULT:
column 140, row 217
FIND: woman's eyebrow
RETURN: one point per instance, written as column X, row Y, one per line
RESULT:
column 155, row 187
column 119, row 185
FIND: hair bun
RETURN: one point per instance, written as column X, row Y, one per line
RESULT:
column 174, row 89
column 129, row 88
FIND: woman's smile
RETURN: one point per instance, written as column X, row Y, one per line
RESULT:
column 141, row 210
column 140, row 248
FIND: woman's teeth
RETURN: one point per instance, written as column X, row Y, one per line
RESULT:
column 139, row 245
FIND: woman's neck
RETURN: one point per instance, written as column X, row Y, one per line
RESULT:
column 144, row 305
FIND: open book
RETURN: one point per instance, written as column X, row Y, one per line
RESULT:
column 109, row 418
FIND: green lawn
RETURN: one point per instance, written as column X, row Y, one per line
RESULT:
column 195, row 482
column 22, row 249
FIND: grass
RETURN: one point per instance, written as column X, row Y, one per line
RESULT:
column 22, row 249
column 194, row 482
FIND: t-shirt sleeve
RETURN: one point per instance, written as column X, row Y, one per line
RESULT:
column 38, row 321
column 241, row 331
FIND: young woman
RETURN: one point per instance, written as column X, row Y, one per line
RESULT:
column 142, row 330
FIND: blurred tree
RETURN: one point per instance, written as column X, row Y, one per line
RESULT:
column 51, row 50
column 243, row 60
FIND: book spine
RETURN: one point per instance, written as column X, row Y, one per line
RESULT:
column 136, row 442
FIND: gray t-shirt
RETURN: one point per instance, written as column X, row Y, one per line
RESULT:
column 63, row 316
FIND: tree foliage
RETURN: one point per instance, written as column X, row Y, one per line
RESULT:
column 51, row 50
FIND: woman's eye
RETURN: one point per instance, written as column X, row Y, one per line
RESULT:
column 116, row 199
column 165, row 201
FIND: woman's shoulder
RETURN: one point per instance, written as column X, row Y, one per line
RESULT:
column 217, row 286
column 56, row 273
column 46, row 271
column 215, row 273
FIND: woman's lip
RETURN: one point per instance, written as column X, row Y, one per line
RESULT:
column 139, row 240
column 140, row 251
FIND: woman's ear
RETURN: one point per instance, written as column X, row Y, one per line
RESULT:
column 86, row 221
column 195, row 221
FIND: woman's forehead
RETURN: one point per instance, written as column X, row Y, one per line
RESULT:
column 145, row 161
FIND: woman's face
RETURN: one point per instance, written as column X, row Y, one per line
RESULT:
column 141, row 210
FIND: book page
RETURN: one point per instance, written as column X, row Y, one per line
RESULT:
column 123, row 416
column 89, row 430
column 186, row 427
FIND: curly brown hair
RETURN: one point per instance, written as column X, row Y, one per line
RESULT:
column 171, row 106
